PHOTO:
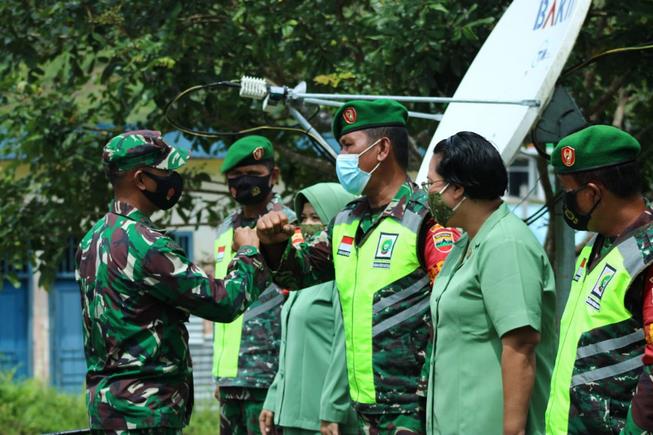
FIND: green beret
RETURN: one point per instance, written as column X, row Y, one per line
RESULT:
column 361, row 114
column 248, row 150
column 134, row 149
column 594, row 147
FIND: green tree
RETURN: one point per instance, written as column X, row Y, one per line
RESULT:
column 74, row 73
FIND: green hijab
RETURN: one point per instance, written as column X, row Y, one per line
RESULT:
column 326, row 198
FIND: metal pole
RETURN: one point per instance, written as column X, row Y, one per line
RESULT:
column 422, row 115
column 302, row 95
column 314, row 133
column 565, row 256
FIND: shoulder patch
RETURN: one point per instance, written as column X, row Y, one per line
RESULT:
column 442, row 239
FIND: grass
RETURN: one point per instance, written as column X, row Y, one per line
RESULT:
column 29, row 407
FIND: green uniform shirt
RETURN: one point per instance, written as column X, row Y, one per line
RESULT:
column 311, row 384
column 137, row 289
column 506, row 282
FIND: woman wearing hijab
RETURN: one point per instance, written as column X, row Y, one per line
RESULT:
column 310, row 391
column 493, row 304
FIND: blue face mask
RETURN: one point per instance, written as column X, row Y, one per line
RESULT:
column 351, row 177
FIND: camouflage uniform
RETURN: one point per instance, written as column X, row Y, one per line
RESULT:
column 137, row 290
column 400, row 355
column 242, row 397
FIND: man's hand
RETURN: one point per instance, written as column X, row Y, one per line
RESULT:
column 245, row 236
column 329, row 428
column 216, row 393
column 273, row 228
column 266, row 421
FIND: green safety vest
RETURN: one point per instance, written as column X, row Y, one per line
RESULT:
column 227, row 337
column 601, row 344
column 364, row 270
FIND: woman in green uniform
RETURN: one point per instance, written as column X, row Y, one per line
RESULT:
column 310, row 389
column 492, row 305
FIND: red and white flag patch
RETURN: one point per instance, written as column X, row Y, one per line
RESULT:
column 219, row 254
column 345, row 246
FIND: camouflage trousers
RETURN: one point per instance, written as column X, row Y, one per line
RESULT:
column 239, row 417
column 148, row 431
column 393, row 424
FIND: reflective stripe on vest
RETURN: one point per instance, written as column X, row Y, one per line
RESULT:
column 596, row 300
column 387, row 254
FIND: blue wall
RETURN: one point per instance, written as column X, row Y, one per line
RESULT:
column 15, row 333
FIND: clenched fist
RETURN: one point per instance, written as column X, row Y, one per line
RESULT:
column 245, row 236
column 273, row 228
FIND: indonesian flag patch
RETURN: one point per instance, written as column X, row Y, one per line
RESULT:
column 345, row 246
column 219, row 254
column 581, row 270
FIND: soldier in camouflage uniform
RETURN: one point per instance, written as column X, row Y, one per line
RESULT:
column 602, row 382
column 138, row 288
column 246, row 351
column 383, row 250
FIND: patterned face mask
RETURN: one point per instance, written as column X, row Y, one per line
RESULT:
column 440, row 211
column 309, row 230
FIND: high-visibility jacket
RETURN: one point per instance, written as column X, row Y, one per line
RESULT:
column 384, row 293
column 246, row 351
column 601, row 345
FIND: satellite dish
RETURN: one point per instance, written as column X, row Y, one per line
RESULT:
column 520, row 60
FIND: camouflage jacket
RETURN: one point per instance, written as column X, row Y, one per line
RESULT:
column 401, row 355
column 258, row 356
column 137, row 290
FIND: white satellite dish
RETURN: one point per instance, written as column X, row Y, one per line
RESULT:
column 520, row 60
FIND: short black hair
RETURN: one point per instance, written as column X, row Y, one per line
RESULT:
column 624, row 180
column 398, row 138
column 470, row 161
column 113, row 174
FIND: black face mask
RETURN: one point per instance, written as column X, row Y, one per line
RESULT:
column 168, row 190
column 250, row 189
column 572, row 215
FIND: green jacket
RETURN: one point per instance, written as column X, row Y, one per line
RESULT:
column 311, row 384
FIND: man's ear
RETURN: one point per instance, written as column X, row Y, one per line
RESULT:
column 596, row 189
column 138, row 179
column 385, row 148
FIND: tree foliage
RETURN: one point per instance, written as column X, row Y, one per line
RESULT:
column 74, row 73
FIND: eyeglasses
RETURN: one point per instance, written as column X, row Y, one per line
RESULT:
column 426, row 185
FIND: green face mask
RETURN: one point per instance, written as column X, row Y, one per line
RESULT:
column 441, row 212
column 310, row 229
